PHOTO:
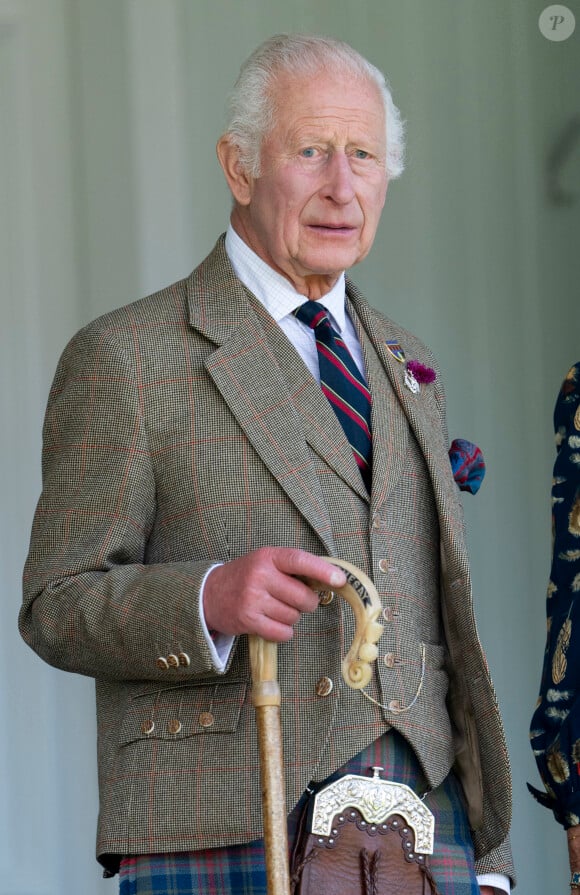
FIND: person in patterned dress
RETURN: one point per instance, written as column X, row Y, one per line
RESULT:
column 555, row 726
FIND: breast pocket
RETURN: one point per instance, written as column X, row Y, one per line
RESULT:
column 183, row 711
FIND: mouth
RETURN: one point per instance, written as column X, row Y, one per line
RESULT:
column 333, row 229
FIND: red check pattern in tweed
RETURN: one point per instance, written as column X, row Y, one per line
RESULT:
column 183, row 430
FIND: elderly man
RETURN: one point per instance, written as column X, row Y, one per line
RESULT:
column 195, row 471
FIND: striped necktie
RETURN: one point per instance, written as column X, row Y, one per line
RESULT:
column 342, row 383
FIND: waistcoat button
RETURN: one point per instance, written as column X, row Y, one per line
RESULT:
column 326, row 597
column 389, row 660
column 394, row 705
column 324, row 686
column 384, row 565
column 388, row 614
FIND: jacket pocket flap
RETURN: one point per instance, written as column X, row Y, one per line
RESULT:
column 181, row 712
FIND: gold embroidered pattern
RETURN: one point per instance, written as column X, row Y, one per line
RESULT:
column 559, row 661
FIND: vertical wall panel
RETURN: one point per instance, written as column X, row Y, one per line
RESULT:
column 161, row 168
column 17, row 393
column 47, row 751
column 105, row 154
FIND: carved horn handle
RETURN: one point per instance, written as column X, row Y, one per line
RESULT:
column 360, row 592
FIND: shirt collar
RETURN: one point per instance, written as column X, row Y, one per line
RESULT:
column 272, row 289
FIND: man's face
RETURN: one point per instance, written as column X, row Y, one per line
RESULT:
column 315, row 208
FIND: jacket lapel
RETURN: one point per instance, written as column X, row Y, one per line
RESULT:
column 245, row 370
column 390, row 427
column 421, row 415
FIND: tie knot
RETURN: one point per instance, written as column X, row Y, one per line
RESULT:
column 312, row 313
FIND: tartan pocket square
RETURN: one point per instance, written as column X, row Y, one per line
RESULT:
column 467, row 464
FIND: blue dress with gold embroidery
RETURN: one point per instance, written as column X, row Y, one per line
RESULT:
column 555, row 727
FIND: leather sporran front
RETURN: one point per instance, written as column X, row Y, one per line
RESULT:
column 377, row 844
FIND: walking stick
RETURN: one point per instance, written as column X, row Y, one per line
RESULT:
column 360, row 592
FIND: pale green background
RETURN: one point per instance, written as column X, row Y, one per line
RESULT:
column 109, row 188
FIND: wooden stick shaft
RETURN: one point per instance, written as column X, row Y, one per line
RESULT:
column 273, row 799
column 266, row 699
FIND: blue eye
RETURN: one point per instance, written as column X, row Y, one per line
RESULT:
column 361, row 153
column 309, row 152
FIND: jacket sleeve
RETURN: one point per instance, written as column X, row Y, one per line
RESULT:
column 93, row 603
column 499, row 861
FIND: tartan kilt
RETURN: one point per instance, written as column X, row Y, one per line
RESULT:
column 240, row 869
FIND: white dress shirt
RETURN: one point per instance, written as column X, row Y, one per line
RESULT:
column 280, row 299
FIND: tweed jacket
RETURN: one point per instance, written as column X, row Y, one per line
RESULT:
column 183, row 430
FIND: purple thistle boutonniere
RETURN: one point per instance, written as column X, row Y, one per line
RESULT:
column 417, row 374
column 423, row 374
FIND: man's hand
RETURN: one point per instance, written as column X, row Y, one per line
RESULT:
column 486, row 890
column 260, row 593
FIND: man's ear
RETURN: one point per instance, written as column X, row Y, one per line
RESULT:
column 239, row 181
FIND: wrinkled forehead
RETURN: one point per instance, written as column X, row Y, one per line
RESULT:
column 326, row 94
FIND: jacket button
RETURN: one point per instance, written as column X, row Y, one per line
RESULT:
column 184, row 660
column 376, row 521
column 326, row 597
column 384, row 565
column 148, row 727
column 389, row 660
column 162, row 663
column 172, row 660
column 324, row 686
column 394, row 705
column 174, row 726
column 388, row 614
column 206, row 719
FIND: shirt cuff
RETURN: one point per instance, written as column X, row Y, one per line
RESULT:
column 498, row 882
column 220, row 645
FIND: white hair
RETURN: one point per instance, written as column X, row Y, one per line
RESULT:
column 252, row 111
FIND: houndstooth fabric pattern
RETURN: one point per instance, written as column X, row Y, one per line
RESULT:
column 147, row 403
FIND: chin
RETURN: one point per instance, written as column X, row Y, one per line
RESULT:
column 331, row 264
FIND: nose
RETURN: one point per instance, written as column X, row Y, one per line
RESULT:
column 339, row 183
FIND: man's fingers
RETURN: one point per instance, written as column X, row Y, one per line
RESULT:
column 264, row 592
column 273, row 631
column 302, row 564
column 291, row 591
column 288, row 599
column 287, row 613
